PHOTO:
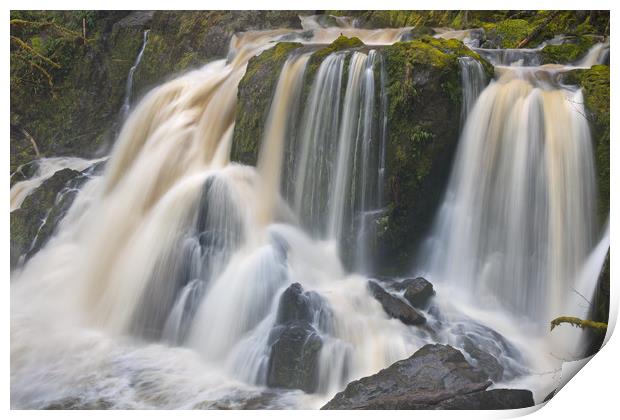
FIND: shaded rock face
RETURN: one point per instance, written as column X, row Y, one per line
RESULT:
column 295, row 340
column 36, row 220
column 395, row 307
column 418, row 291
column 436, row 377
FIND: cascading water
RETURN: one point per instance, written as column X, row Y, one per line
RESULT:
column 167, row 284
column 129, row 85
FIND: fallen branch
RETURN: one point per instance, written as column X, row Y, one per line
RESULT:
column 34, row 143
column 31, row 50
column 537, row 30
column 576, row 322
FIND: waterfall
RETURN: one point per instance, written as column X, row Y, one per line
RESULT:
column 175, row 244
column 473, row 80
column 518, row 218
column 129, row 84
column 169, row 283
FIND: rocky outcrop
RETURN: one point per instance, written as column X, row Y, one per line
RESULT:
column 35, row 221
column 418, row 291
column 436, row 377
column 395, row 307
column 424, row 108
column 295, row 341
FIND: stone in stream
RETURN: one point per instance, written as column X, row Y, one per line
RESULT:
column 435, row 377
column 395, row 307
column 418, row 291
column 295, row 341
column 485, row 361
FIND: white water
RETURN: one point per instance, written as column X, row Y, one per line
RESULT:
column 46, row 167
column 162, row 286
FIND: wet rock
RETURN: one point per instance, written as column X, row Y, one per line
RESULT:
column 36, row 220
column 484, row 360
column 436, row 377
column 295, row 340
column 395, row 307
column 549, row 396
column 293, row 361
column 418, row 291
column 495, row 399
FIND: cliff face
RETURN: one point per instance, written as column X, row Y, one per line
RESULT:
column 67, row 90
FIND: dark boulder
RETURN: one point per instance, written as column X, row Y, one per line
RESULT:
column 418, row 291
column 495, row 399
column 293, row 361
column 436, row 377
column 484, row 360
column 395, row 307
column 295, row 340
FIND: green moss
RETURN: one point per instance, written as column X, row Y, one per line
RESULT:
column 581, row 323
column 568, row 52
column 424, row 105
column 341, row 43
column 595, row 84
column 511, row 31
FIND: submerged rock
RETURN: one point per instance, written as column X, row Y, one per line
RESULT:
column 293, row 361
column 485, row 361
column 418, row 291
column 436, row 377
column 295, row 340
column 395, row 307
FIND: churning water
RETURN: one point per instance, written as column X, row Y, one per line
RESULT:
column 162, row 287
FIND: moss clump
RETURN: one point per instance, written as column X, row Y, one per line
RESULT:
column 568, row 52
column 340, row 44
column 508, row 33
column 254, row 99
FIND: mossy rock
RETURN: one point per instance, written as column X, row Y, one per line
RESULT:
column 568, row 52
column 424, row 96
column 595, row 85
column 255, row 94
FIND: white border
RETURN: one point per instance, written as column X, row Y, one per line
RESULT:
column 592, row 395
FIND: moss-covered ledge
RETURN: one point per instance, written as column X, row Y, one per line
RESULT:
column 568, row 52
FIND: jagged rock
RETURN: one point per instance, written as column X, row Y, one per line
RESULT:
column 293, row 360
column 418, row 291
column 395, row 307
column 35, row 221
column 436, row 377
column 485, row 361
